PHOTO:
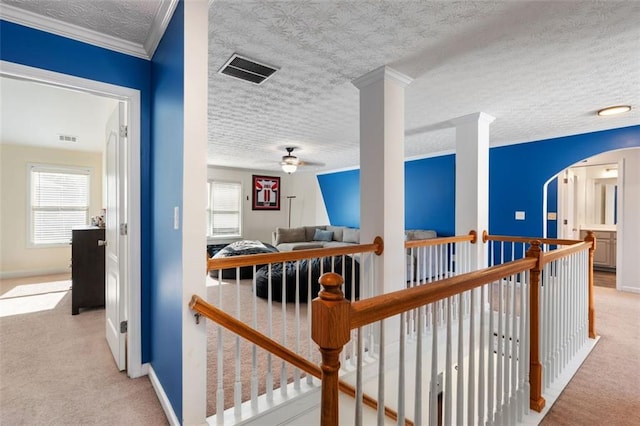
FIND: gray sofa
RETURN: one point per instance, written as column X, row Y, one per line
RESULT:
column 321, row 236
column 309, row 237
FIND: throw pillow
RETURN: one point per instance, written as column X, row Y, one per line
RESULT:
column 321, row 235
column 289, row 235
column 419, row 234
column 351, row 235
column 337, row 232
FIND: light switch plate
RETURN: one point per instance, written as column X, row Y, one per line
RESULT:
column 519, row 215
column 176, row 218
column 552, row 216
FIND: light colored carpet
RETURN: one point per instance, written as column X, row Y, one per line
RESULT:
column 230, row 295
column 606, row 389
column 56, row 368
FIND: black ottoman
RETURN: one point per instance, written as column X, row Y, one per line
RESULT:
column 262, row 278
column 240, row 248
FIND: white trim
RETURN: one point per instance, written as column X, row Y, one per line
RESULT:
column 193, row 225
column 380, row 73
column 162, row 397
column 134, row 342
column 479, row 117
column 64, row 29
column 22, row 273
column 160, row 24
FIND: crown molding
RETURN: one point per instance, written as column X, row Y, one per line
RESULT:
column 159, row 25
column 383, row 72
column 54, row 26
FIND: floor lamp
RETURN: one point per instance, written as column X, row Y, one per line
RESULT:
column 289, row 198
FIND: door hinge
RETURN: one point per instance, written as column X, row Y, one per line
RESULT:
column 124, row 229
column 123, row 326
column 124, row 131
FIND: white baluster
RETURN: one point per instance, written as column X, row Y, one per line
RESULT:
column 471, row 386
column 417, row 416
column 269, row 377
column 237, row 393
column 296, row 370
column 358, row 414
column 433, row 385
column 448, row 366
column 491, row 358
column 254, row 348
column 401, row 378
column 481, row 356
column 460, row 382
column 381, row 387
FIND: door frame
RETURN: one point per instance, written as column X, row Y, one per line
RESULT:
column 135, row 368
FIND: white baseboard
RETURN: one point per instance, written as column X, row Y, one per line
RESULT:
column 33, row 273
column 631, row 289
column 162, row 397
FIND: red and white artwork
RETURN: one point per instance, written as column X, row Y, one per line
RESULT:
column 266, row 192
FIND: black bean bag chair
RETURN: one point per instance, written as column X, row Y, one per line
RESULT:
column 262, row 278
column 240, row 248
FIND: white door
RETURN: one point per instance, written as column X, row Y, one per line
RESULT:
column 566, row 206
column 115, row 254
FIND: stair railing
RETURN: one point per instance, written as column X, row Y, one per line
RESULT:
column 495, row 373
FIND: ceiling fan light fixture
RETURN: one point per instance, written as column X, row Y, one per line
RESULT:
column 289, row 168
column 614, row 110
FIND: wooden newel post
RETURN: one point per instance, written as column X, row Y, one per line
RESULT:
column 590, row 237
column 331, row 330
column 536, row 401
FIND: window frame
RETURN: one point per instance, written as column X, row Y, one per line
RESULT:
column 210, row 209
column 54, row 168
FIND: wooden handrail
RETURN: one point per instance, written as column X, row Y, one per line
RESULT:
column 376, row 308
column 204, row 308
column 550, row 256
column 561, row 242
column 376, row 247
column 471, row 237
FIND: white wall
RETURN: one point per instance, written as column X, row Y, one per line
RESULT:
column 307, row 208
column 16, row 257
column 628, row 253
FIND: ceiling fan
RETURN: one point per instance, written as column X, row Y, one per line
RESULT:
column 290, row 162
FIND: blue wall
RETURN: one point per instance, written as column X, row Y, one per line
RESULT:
column 341, row 193
column 167, row 129
column 38, row 49
column 517, row 174
column 429, row 195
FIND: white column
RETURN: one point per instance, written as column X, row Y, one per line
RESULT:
column 382, row 170
column 194, row 336
column 472, row 180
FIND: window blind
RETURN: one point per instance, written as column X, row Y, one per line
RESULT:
column 59, row 202
column 224, row 211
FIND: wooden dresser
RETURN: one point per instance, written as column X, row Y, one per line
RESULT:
column 87, row 268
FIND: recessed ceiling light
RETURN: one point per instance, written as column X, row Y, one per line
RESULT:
column 613, row 110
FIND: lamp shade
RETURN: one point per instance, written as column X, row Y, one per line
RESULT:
column 289, row 168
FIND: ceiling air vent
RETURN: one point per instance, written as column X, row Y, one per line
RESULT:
column 67, row 138
column 247, row 69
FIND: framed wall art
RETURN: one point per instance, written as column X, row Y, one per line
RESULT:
column 266, row 192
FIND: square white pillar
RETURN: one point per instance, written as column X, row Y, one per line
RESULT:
column 382, row 170
column 472, row 179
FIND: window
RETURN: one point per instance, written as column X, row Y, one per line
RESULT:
column 58, row 202
column 224, row 210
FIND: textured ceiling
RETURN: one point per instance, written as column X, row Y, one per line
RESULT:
column 541, row 68
column 129, row 20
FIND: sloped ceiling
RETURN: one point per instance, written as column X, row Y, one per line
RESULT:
column 541, row 68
